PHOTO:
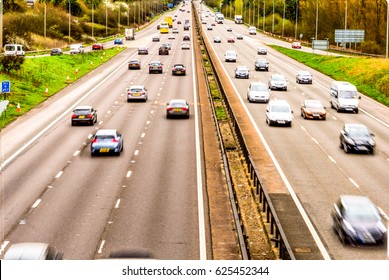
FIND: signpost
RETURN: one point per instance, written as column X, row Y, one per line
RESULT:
column 5, row 87
column 320, row 45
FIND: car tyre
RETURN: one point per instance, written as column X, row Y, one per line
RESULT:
column 345, row 148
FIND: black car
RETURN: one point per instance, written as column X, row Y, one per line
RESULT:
column 84, row 115
column 261, row 64
column 178, row 69
column 356, row 137
column 242, row 72
column 303, row 77
column 155, row 67
column 56, row 51
column 357, row 221
column 163, row 50
column 134, row 64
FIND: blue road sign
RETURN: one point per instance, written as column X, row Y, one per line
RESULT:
column 170, row 5
column 5, row 86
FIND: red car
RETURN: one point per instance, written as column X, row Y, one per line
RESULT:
column 296, row 45
column 97, row 46
column 230, row 40
column 134, row 64
column 178, row 69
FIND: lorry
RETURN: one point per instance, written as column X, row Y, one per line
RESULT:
column 219, row 18
column 129, row 33
column 169, row 20
column 238, row 19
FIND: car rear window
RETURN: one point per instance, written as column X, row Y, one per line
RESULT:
column 82, row 111
column 105, row 137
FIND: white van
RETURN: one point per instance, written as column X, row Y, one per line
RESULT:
column 344, row 97
column 13, row 49
column 76, row 48
column 252, row 30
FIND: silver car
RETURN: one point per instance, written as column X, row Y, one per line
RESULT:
column 278, row 81
column 262, row 50
column 303, row 77
column 279, row 112
column 32, row 251
column 177, row 108
column 137, row 93
column 258, row 92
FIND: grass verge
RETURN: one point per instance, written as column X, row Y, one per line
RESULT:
column 40, row 78
column 369, row 75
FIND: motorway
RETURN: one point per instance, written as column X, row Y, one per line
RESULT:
column 308, row 153
column 149, row 198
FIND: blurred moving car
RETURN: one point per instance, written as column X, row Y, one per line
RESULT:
column 252, row 30
column 185, row 46
column 186, row 37
column 242, row 72
column 175, row 30
column 97, row 46
column 296, row 45
column 217, row 39
column 84, row 115
column 155, row 67
column 357, row 220
column 134, row 64
column 278, row 81
column 137, row 93
column 304, row 77
column 178, row 69
column 143, row 50
column 262, row 50
column 177, row 108
column 56, row 51
column 230, row 40
column 239, row 37
column 356, row 137
column 213, row 24
column 258, row 92
column 107, row 141
column 229, row 29
column 163, row 50
column 279, row 112
column 118, row 41
column 32, row 251
column 230, row 56
column 313, row 109
column 155, row 39
column 261, row 64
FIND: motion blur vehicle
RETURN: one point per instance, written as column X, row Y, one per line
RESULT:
column 56, row 51
column 118, row 41
column 344, row 97
column 185, row 46
column 186, row 37
column 143, row 50
column 179, row 22
column 252, row 30
column 84, row 115
column 178, row 69
column 97, row 46
column 175, row 30
column 137, row 93
column 209, row 27
column 242, row 72
column 357, row 221
column 230, row 56
column 107, row 141
column 32, row 251
column 163, row 50
column 230, row 40
column 155, row 39
column 258, row 92
column 278, row 81
column 356, row 137
column 155, row 67
column 239, row 37
column 229, row 29
column 279, row 112
column 303, row 77
column 296, row 45
column 313, row 109
column 134, row 64
column 213, row 24
column 177, row 108
column 76, row 48
column 186, row 27
column 217, row 39
column 261, row 64
column 262, row 50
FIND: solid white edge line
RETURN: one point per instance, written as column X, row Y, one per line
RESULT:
column 200, row 198
column 304, row 215
column 66, row 112
column 3, row 246
column 101, row 247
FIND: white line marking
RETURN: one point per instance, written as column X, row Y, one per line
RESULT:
column 136, row 152
column 101, row 247
column 335, row 118
column 90, row 136
column 76, row 153
column 117, row 203
column 35, row 205
column 314, row 140
column 142, row 135
column 332, row 159
column 354, row 183
column 3, row 246
column 59, row 174
column 148, row 122
column 109, row 112
column 152, row 112
column 128, row 175
column 100, row 122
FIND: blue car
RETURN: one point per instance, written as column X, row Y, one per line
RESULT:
column 118, row 41
column 107, row 141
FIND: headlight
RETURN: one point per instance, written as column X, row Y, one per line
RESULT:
column 350, row 141
column 348, row 227
column 381, row 226
column 371, row 142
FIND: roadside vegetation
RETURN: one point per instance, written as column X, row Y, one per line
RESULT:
column 29, row 84
column 369, row 75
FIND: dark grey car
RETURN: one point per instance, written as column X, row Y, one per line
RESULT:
column 84, row 115
column 261, row 64
column 303, row 77
column 356, row 137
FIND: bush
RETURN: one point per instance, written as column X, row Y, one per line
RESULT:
column 12, row 62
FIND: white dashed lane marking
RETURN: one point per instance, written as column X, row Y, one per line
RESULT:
column 35, row 205
column 59, row 174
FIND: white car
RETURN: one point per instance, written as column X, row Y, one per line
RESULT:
column 279, row 112
column 252, row 30
column 172, row 36
column 230, row 55
column 258, row 92
column 185, row 46
column 175, row 30
column 262, row 50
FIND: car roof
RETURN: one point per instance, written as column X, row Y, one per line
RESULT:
column 84, row 107
column 155, row 61
column 354, row 125
column 278, row 102
column 27, row 251
column 106, row 132
column 242, row 67
column 257, row 83
column 355, row 200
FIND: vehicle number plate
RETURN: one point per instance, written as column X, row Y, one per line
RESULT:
column 81, row 117
column 134, row 65
column 136, row 94
column 177, row 109
column 315, row 115
column 282, row 122
column 178, row 72
column 104, row 150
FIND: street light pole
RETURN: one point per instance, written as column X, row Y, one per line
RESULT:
column 272, row 25
column 93, row 19
column 387, row 39
column 345, row 25
column 264, row 14
column 1, row 26
column 44, row 28
column 69, row 20
column 283, row 20
column 317, row 17
column 297, row 15
column 106, row 18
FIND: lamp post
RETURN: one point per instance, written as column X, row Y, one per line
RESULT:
column 317, row 17
column 106, row 18
column 387, row 39
column 297, row 15
column 264, row 14
column 70, row 15
column 345, row 26
column 44, row 27
column 272, row 24
column 1, row 26
column 283, row 20
column 119, row 17
column 93, row 19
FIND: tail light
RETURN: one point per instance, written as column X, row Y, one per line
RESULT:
column 95, row 140
column 115, row 140
column 74, row 116
column 170, row 109
column 89, row 116
column 143, row 93
column 184, row 109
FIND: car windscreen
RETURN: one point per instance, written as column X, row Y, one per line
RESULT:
column 278, row 78
column 259, row 88
column 348, row 94
column 362, row 213
column 314, row 105
column 136, row 89
column 359, row 132
column 279, row 109
column 82, row 111
column 105, row 137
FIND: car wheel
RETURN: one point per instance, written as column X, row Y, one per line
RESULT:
column 372, row 151
column 72, row 124
column 356, row 111
column 332, row 105
column 345, row 148
column 297, row 81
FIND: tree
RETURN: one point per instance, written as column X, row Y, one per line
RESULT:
column 12, row 62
